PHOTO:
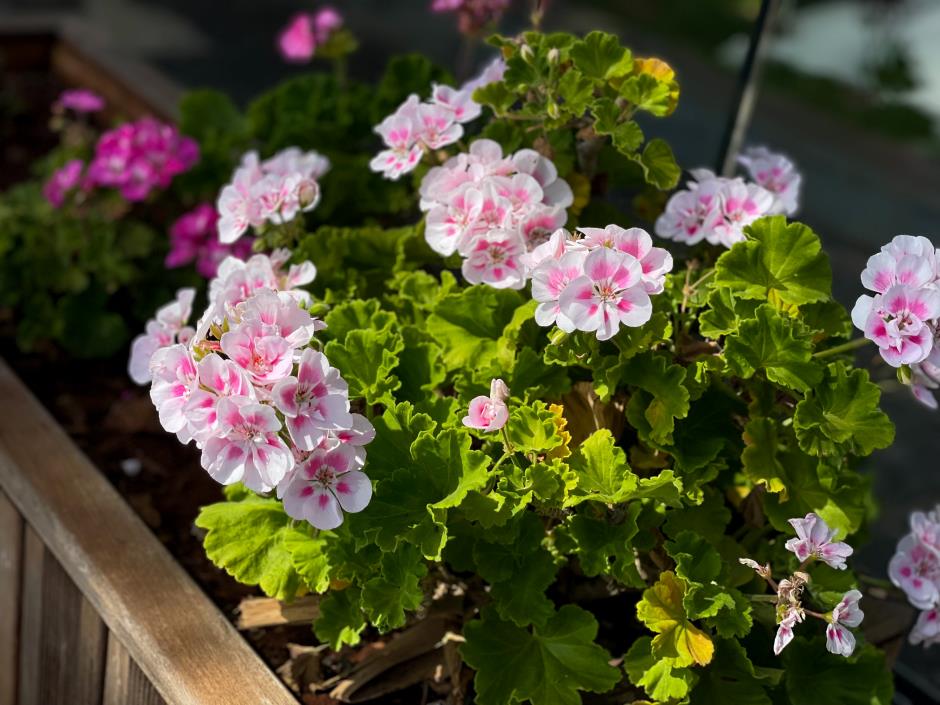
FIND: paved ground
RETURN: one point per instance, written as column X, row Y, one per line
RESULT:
column 860, row 189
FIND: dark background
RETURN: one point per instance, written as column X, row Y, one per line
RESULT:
column 851, row 91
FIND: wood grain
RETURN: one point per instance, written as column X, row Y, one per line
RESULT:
column 124, row 682
column 11, row 554
column 180, row 640
column 34, row 554
column 255, row 612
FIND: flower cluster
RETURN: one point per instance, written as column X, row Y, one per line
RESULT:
column 717, row 209
column 598, row 282
column 915, row 568
column 168, row 327
column 272, row 191
column 79, row 100
column 814, row 541
column 419, row 126
column 299, row 40
column 264, row 407
column 472, row 15
column 194, row 237
column 903, row 317
column 138, row 157
column 489, row 413
column 63, row 180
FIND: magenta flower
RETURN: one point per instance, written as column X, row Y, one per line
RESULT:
column 81, row 100
column 840, row 640
column 62, row 181
column 494, row 260
column 313, row 402
column 899, row 322
column 609, row 294
column 785, row 629
column 297, row 42
column 814, row 540
column 248, row 448
column 926, row 630
column 549, row 280
column 194, row 237
column 323, row 486
column 489, row 413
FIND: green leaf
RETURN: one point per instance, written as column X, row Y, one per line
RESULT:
column 779, row 260
column 468, row 324
column 357, row 314
column 605, row 548
column 659, row 677
column 366, row 359
column 664, row 382
column 648, row 93
column 600, row 56
column 309, row 558
column 341, row 620
column 532, row 428
column 731, row 679
column 452, row 468
column 248, row 539
column 662, row 611
column 761, row 457
column 696, row 559
column 841, row 416
column 779, row 346
column 532, row 378
column 385, row 599
column 814, row 676
column 658, row 164
column 395, row 431
column 603, row 472
column 404, row 74
column 547, row 666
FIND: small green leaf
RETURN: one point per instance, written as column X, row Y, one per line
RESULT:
column 659, row 164
column 532, row 429
column 664, row 382
column 603, row 472
column 309, row 557
column 366, row 359
column 385, row 599
column 659, row 677
column 662, row 611
column 600, row 56
column 341, row 620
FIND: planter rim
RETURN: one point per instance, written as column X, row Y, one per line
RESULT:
column 186, row 647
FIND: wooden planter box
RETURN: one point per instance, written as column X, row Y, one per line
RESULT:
column 93, row 609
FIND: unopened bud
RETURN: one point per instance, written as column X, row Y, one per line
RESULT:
column 527, row 54
column 553, row 55
column 308, row 194
column 553, row 111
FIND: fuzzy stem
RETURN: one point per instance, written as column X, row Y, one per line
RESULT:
column 845, row 347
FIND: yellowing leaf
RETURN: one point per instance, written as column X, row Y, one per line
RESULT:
column 661, row 610
column 561, row 424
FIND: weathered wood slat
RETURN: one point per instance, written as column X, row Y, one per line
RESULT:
column 124, row 682
column 11, row 559
column 182, row 643
column 34, row 554
column 72, row 641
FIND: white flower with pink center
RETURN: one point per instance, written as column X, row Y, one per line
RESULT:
column 916, row 570
column 311, row 165
column 655, row 262
column 815, row 541
column 741, row 205
column 556, row 191
column 539, row 222
column 247, row 448
column 785, row 630
column 266, row 358
column 175, row 378
column 218, row 378
column 277, row 313
column 926, row 527
column 898, row 322
column 926, row 630
column 449, row 224
column 549, row 280
column 313, row 402
column 839, row 640
column 925, row 378
column 403, row 153
column 557, row 244
column 357, row 436
column 777, row 174
column 692, row 216
column 494, row 260
column 489, row 413
column 436, row 126
column 915, row 246
column 323, row 486
column 884, row 270
column 609, row 294
column 459, row 102
column 165, row 329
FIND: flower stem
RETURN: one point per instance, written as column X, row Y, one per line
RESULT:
column 762, row 598
column 845, row 347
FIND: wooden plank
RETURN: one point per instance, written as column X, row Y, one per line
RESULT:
column 124, row 682
column 72, row 641
column 180, row 640
column 255, row 612
column 11, row 554
column 31, row 618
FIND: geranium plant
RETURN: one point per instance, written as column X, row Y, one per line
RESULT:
column 458, row 370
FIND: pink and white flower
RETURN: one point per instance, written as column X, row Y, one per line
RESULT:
column 785, row 629
column 899, row 322
column 489, row 413
column 165, row 329
column 218, row 379
column 323, row 486
column 403, row 153
column 840, row 640
column 248, row 448
column 655, row 262
column 916, row 570
column 459, row 102
column 609, row 294
column 494, row 260
column 266, row 358
column 62, row 181
column 549, row 280
column 741, row 205
column 693, row 215
column 814, row 541
column 314, row 401
column 175, row 378
column 777, row 174
column 926, row 630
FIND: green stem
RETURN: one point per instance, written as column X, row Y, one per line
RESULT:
column 762, row 598
column 845, row 347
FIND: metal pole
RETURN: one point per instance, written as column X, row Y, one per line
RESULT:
column 745, row 95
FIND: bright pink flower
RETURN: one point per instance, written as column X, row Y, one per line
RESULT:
column 175, row 378
column 898, row 322
column 248, row 448
column 926, row 630
column 916, row 570
column 609, row 294
column 297, row 41
column 323, row 486
column 785, row 630
column 266, row 358
column 840, row 640
column 489, row 413
column 81, row 100
column 549, row 280
column 62, row 181
column 313, row 402
column 218, row 379
column 654, row 261
column 775, row 173
column 815, row 541
column 325, row 22
column 494, row 259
